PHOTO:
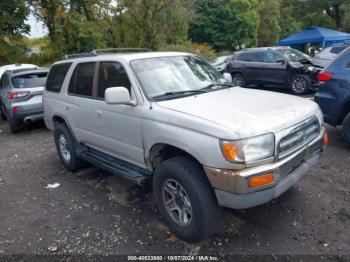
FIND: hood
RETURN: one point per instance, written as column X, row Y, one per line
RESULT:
column 246, row 112
column 314, row 62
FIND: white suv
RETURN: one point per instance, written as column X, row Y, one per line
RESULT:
column 172, row 119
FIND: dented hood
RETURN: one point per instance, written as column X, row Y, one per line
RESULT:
column 246, row 112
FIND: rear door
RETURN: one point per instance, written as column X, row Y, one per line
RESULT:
column 251, row 63
column 80, row 104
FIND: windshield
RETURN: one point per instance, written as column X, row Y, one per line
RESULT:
column 294, row 55
column 30, row 80
column 178, row 74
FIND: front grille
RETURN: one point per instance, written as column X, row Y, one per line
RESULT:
column 299, row 136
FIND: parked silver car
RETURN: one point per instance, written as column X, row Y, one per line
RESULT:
column 21, row 96
column 332, row 52
column 171, row 119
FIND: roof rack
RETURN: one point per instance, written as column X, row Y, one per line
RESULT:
column 97, row 52
column 71, row 56
column 119, row 50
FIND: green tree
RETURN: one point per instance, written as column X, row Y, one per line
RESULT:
column 223, row 24
column 13, row 14
column 269, row 27
column 288, row 22
column 335, row 10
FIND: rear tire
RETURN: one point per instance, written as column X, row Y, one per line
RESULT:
column 346, row 128
column 300, row 84
column 15, row 127
column 66, row 148
column 2, row 113
column 185, row 198
column 238, row 80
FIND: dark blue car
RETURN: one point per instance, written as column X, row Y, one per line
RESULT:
column 333, row 95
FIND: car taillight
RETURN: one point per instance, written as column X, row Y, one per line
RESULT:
column 324, row 76
column 12, row 95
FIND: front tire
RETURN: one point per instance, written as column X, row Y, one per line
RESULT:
column 65, row 146
column 185, row 198
column 300, row 84
column 238, row 80
column 346, row 128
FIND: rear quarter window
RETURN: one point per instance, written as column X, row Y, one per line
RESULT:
column 30, row 80
column 56, row 77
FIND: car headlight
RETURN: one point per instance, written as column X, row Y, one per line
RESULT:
column 250, row 149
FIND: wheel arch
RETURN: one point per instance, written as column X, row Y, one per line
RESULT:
column 345, row 112
column 160, row 152
column 58, row 119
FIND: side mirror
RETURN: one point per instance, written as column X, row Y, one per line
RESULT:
column 228, row 77
column 118, row 96
column 281, row 61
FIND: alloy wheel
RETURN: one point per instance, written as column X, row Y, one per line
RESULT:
column 63, row 145
column 237, row 81
column 177, row 202
column 299, row 85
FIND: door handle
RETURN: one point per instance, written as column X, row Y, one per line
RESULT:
column 65, row 108
column 97, row 114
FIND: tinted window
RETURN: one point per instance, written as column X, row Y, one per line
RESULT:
column 251, row 57
column 111, row 74
column 29, row 80
column 82, row 80
column 5, row 81
column 56, row 77
column 337, row 49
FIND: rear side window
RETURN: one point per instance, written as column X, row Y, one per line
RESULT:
column 29, row 80
column 82, row 80
column 111, row 74
column 251, row 57
column 56, row 77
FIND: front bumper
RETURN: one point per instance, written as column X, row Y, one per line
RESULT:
column 231, row 186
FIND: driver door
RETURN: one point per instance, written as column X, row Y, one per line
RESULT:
column 117, row 127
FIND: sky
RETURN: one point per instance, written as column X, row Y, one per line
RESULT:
column 36, row 28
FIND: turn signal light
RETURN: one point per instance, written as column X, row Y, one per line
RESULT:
column 325, row 139
column 229, row 151
column 261, row 180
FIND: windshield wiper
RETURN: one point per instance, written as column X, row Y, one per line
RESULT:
column 179, row 93
column 211, row 87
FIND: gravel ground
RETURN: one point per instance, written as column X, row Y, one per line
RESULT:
column 92, row 212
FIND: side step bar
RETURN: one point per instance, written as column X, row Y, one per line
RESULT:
column 133, row 173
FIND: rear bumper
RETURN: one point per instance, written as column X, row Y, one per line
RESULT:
column 29, row 116
column 231, row 186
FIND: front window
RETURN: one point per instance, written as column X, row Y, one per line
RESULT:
column 165, row 78
column 294, row 55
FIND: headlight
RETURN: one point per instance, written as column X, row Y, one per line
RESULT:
column 311, row 68
column 249, row 150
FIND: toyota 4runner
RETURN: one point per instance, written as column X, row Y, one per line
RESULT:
column 173, row 120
